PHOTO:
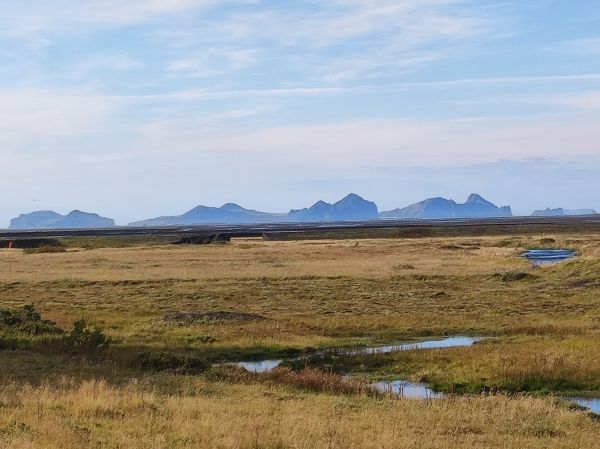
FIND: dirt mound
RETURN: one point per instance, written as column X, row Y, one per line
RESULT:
column 211, row 317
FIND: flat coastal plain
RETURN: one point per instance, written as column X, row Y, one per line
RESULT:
column 175, row 316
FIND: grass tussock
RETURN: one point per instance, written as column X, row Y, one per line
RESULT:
column 515, row 276
column 308, row 379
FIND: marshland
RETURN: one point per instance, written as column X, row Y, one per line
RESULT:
column 130, row 344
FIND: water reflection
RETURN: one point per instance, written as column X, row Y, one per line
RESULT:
column 401, row 387
column 406, row 389
column 262, row 366
column 593, row 405
column 543, row 257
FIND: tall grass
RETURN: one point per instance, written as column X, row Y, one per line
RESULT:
column 314, row 380
column 221, row 415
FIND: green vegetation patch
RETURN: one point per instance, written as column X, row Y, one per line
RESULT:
column 26, row 320
column 171, row 362
column 24, row 328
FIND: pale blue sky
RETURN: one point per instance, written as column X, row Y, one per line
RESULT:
column 149, row 107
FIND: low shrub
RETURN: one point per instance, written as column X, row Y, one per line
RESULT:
column 24, row 328
column 26, row 320
column 85, row 340
column 171, row 362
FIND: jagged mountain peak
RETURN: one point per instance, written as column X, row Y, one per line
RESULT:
column 351, row 197
column 350, row 208
column 476, row 198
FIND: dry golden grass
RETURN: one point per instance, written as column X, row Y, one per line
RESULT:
column 215, row 415
column 251, row 258
column 313, row 293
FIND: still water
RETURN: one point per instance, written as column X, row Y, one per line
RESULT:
column 262, row 366
column 544, row 257
column 400, row 387
column 593, row 405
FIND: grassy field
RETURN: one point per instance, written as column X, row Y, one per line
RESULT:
column 153, row 387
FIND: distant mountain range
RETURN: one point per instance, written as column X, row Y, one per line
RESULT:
column 350, row 208
column 52, row 220
column 228, row 213
column 560, row 212
column 475, row 207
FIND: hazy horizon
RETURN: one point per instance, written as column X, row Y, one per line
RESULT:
column 153, row 107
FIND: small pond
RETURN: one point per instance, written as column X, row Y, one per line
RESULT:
column 544, row 257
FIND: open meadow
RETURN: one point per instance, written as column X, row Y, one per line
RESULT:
column 149, row 365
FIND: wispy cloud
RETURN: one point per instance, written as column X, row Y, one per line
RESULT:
column 587, row 46
column 213, row 62
column 505, row 80
column 365, row 89
column 88, row 68
column 587, row 100
column 44, row 121
column 27, row 18
column 342, row 41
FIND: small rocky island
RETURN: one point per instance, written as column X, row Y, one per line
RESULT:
column 52, row 220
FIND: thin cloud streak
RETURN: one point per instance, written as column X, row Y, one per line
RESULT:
column 352, row 90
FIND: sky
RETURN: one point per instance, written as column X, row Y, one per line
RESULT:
column 150, row 107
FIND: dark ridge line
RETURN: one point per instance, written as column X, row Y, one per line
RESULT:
column 257, row 230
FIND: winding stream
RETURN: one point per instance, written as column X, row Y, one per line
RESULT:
column 400, row 387
column 262, row 366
